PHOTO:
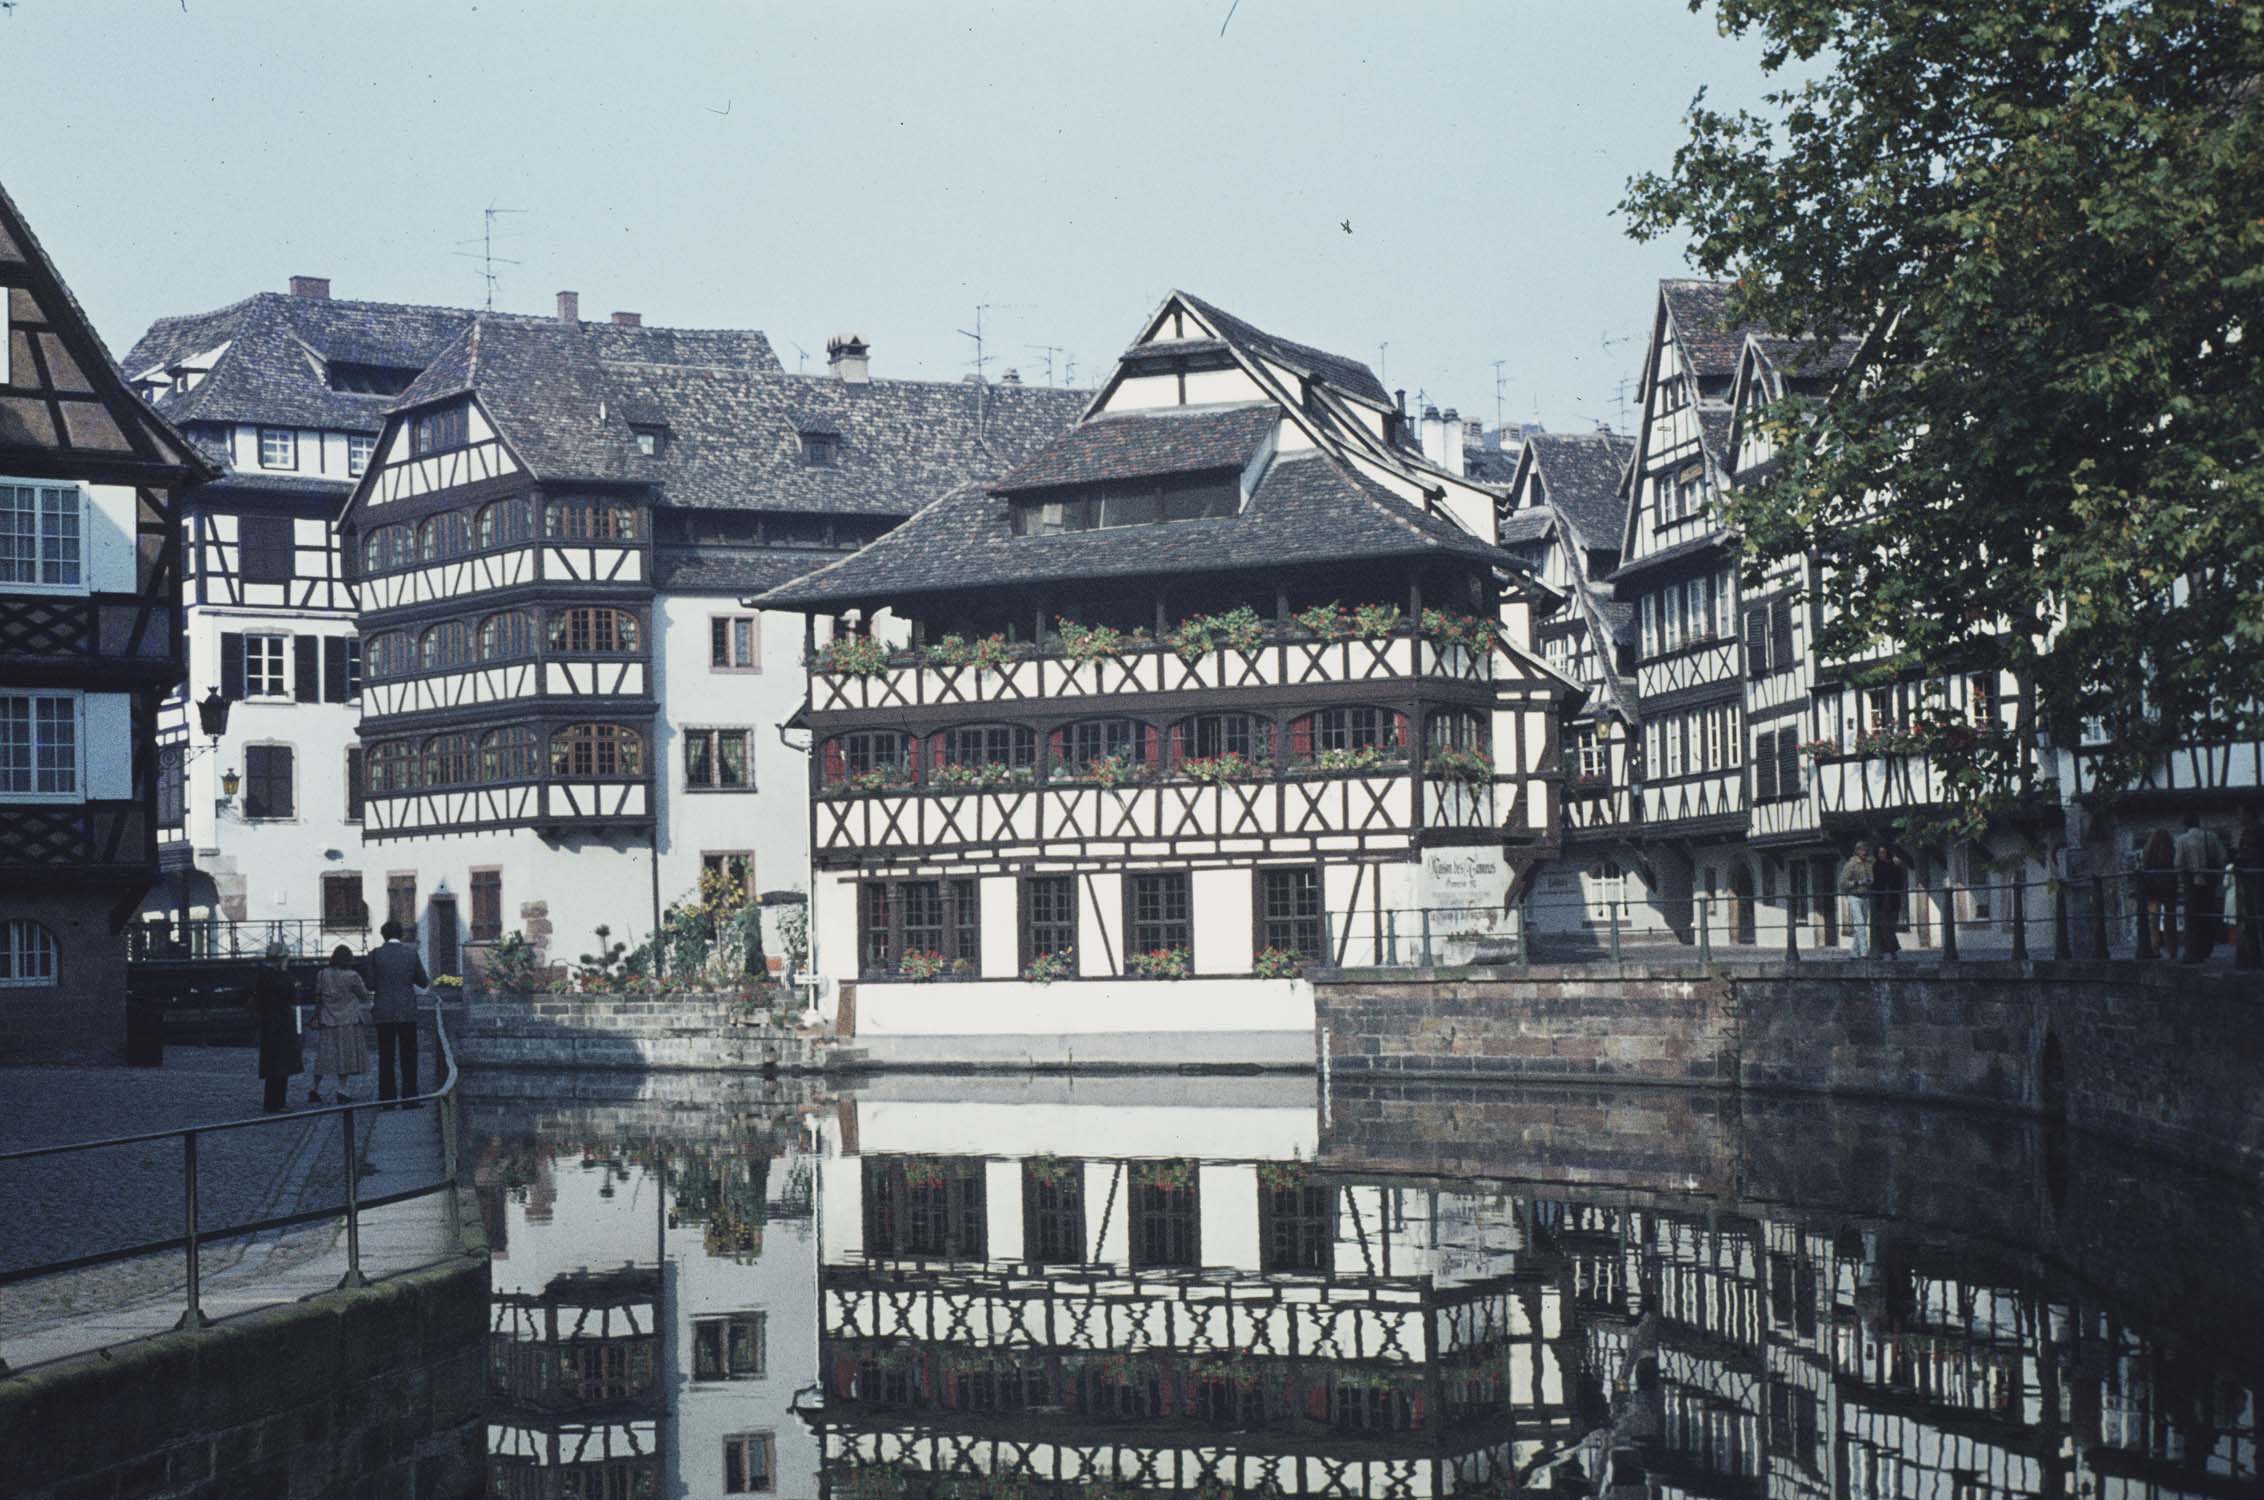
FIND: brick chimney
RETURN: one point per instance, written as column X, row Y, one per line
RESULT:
column 628, row 320
column 313, row 288
column 569, row 307
column 849, row 357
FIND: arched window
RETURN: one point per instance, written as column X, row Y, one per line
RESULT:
column 391, row 654
column 503, row 522
column 1204, row 736
column 591, row 631
column 507, row 636
column 507, row 754
column 448, row 644
column 448, row 760
column 443, row 536
column 587, row 520
column 1074, row 748
column 597, row 750
column 29, row 955
column 391, row 766
column 1364, row 731
column 386, row 548
column 881, row 755
column 1457, row 729
column 1009, row 745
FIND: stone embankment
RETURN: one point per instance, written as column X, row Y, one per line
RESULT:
column 2168, row 1058
column 707, row 1032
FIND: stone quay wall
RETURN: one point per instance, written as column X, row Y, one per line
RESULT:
column 373, row 1392
column 2161, row 1056
column 702, row 1032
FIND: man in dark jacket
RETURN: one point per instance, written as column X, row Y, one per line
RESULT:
column 275, row 1003
column 397, row 974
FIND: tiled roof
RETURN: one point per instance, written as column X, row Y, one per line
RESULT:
column 1490, row 465
column 1805, row 360
column 1527, row 525
column 1714, row 423
column 1173, row 440
column 1307, row 509
column 1580, row 472
column 1349, row 375
column 1710, row 340
column 739, row 571
column 735, row 433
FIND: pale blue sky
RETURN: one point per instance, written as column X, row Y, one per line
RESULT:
column 809, row 169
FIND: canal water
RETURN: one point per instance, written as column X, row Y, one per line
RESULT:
column 708, row 1286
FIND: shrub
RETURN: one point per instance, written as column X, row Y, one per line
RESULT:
column 513, row 965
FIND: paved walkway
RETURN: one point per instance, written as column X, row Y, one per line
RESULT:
column 83, row 1202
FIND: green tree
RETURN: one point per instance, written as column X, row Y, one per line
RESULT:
column 2046, row 219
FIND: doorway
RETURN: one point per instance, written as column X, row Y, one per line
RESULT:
column 444, row 952
column 1741, row 916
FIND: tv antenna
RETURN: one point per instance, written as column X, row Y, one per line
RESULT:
column 486, row 255
column 1501, row 381
column 801, row 359
column 981, row 358
column 1623, row 402
column 1049, row 351
column 1383, row 364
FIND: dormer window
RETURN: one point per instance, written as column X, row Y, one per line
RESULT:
column 820, row 449
column 439, row 431
column 1136, row 502
column 370, row 380
column 652, row 438
column 278, row 448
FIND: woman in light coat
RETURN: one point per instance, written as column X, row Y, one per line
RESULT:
column 344, row 1004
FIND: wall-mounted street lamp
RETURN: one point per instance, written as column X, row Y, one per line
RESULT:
column 229, row 782
column 212, row 714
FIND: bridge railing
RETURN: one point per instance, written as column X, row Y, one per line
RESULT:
column 302, row 937
column 196, row 1143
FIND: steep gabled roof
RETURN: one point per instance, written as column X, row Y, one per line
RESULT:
column 73, row 400
column 1170, row 440
column 1580, row 472
column 1710, row 338
column 1347, row 374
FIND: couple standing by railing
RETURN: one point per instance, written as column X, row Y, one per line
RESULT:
column 2189, row 874
column 344, row 1002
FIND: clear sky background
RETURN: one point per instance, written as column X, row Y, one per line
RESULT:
column 810, row 169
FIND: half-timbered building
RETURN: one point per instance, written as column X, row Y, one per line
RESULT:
column 1226, row 678
column 569, row 715
column 287, row 392
column 90, row 625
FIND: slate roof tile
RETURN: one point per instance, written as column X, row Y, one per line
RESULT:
column 1710, row 339
column 1580, row 473
column 1168, row 441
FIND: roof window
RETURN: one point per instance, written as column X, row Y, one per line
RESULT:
column 652, row 438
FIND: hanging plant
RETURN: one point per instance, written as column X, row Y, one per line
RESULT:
column 1089, row 642
column 1240, row 628
column 1373, row 622
column 1328, row 622
column 1165, row 1176
column 1470, row 767
column 1452, row 629
column 1051, row 1171
column 1279, row 1176
column 853, row 656
column 924, row 1172
column 983, row 654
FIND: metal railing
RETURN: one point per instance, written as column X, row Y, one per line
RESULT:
column 196, row 1235
column 215, row 937
column 2122, row 914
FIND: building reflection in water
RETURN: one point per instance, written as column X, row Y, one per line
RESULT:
column 1103, row 1292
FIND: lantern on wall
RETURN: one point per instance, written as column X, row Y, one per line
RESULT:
column 212, row 714
column 229, row 782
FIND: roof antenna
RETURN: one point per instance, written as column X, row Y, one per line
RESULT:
column 1049, row 351
column 1500, row 381
column 486, row 255
column 801, row 359
column 1383, row 364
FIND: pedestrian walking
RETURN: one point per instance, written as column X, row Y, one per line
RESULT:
column 1856, row 879
column 399, row 974
column 2200, row 865
column 1890, row 883
column 276, row 1005
column 340, row 1049
column 2158, row 892
column 2248, row 891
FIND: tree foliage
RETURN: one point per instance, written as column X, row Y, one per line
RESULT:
column 2046, row 217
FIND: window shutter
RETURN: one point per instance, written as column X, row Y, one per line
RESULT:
column 356, row 779
column 306, row 668
column 935, row 748
column 1301, row 737
column 912, row 754
column 836, row 764
column 1780, row 634
column 1399, row 728
column 1057, row 746
column 1151, row 742
column 1757, row 643
column 1788, row 763
column 333, row 669
column 231, row 665
column 1764, row 771
column 1178, row 742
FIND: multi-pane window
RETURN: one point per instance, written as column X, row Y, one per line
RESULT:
column 867, row 752
column 269, row 781
column 1207, row 735
column 42, row 535
column 264, row 548
column 1296, row 1223
column 1362, row 727
column 717, row 759
column 391, row 654
column 39, row 745
column 503, row 522
column 507, row 636
column 1138, row 502
column 343, row 909
column 1079, row 745
column 444, row 536
column 930, row 1207
column 921, row 920
column 388, row 547
column 591, row 521
column 1049, row 905
column 278, row 448
column 1289, row 911
column 449, row 759
column 264, row 671
column 1457, row 729
column 401, row 901
column 448, row 644
column 391, row 766
column 359, row 448
column 734, row 1346
column 439, row 431
column 507, row 754
column 1166, row 1216
column 597, row 750
column 172, row 785
column 487, row 905
column 29, row 954
column 966, row 921
column 590, row 631
column 942, row 918
column 1009, row 745
column 734, row 643
column 1053, row 1211
column 1162, row 913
